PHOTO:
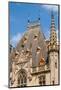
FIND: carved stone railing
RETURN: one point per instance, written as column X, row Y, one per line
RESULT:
column 41, row 68
column 38, row 69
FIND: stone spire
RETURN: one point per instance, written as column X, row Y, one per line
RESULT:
column 53, row 36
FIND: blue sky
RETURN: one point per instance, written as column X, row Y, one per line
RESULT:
column 19, row 13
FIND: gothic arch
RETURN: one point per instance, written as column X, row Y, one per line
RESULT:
column 22, row 78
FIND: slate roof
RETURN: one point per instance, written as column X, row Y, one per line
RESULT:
column 34, row 39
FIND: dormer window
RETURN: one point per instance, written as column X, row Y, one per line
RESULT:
column 27, row 51
column 16, row 53
column 25, row 39
column 38, row 49
column 35, row 37
column 22, row 45
column 42, row 61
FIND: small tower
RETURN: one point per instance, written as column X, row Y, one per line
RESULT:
column 53, row 53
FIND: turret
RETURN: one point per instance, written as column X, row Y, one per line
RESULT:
column 53, row 53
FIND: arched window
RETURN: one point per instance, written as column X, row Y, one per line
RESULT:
column 42, row 80
column 22, row 79
column 55, row 64
column 53, row 82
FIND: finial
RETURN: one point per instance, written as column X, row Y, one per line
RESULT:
column 52, row 15
column 28, row 20
column 38, row 18
column 29, row 17
column 39, row 14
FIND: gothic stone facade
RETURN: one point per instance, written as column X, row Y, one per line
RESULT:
column 34, row 62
